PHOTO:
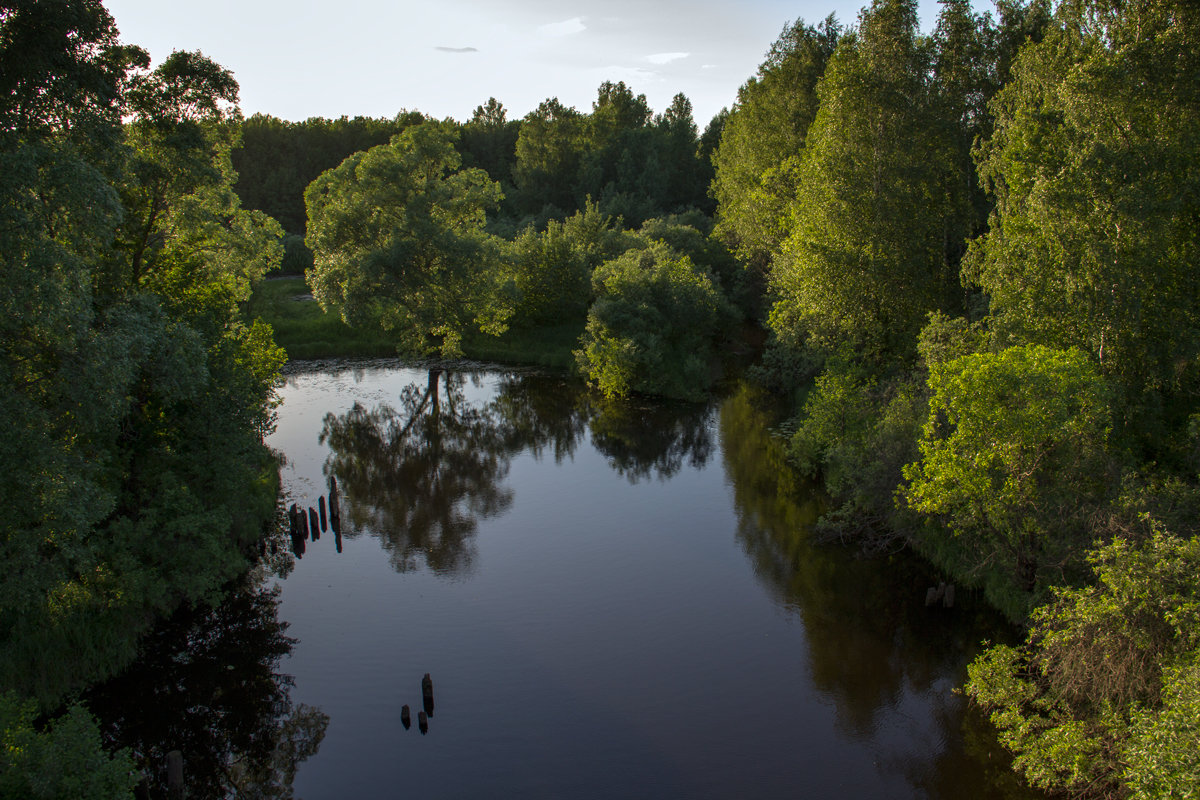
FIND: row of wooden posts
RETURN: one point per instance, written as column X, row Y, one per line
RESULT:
column 310, row 524
column 426, row 707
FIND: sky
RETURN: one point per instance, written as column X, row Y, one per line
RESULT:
column 328, row 58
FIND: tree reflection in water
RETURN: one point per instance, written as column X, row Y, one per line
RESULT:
column 422, row 475
column 644, row 438
column 871, row 639
column 208, row 685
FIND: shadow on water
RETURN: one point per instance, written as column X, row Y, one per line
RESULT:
column 208, row 685
column 874, row 647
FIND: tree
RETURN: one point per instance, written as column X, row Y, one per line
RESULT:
column 549, row 150
column 66, row 760
column 864, row 260
column 687, row 176
column 552, row 270
column 1094, row 167
column 762, row 135
column 1012, row 459
column 489, row 141
column 135, row 394
column 1100, row 699
column 398, row 240
column 652, row 325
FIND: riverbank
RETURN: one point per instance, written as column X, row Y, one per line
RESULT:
column 308, row 333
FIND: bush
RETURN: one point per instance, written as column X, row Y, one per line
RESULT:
column 65, row 761
column 652, row 326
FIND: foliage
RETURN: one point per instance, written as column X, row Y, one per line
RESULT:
column 277, row 159
column 763, row 136
column 1106, row 677
column 652, row 325
column 1093, row 168
column 64, row 761
column 858, row 433
column 135, row 394
column 398, row 241
column 864, row 259
column 552, row 270
column 1012, row 457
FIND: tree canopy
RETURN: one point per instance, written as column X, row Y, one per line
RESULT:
column 398, row 238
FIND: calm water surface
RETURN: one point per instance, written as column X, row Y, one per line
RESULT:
column 613, row 600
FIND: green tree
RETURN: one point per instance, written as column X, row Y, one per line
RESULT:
column 489, row 141
column 761, row 137
column 65, row 760
column 652, row 325
column 548, row 154
column 136, row 395
column 1100, row 700
column 397, row 234
column 1012, row 460
column 677, row 139
column 1093, row 167
column 865, row 258
column 552, row 270
column 277, row 160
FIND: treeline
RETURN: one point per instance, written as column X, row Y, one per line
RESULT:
column 980, row 247
column 550, row 164
column 133, row 396
column 593, row 223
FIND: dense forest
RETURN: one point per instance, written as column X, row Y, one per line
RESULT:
column 972, row 253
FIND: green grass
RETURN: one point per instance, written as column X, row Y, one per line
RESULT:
column 307, row 332
column 548, row 346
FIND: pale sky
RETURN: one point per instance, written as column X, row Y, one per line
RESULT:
column 320, row 58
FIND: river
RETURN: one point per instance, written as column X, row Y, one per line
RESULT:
column 612, row 600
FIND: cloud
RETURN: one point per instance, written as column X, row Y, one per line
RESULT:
column 708, row 66
column 666, row 58
column 564, row 28
column 458, row 49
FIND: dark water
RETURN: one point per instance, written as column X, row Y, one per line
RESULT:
column 612, row 600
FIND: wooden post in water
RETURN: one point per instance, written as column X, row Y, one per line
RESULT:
column 422, row 722
column 321, row 510
column 405, row 717
column 175, row 773
column 314, row 526
column 427, row 694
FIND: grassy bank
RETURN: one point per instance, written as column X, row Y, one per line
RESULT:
column 305, row 331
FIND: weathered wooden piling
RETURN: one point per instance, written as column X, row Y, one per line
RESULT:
column 321, row 511
column 405, row 717
column 299, row 525
column 427, row 694
column 422, row 722
column 314, row 525
column 335, row 514
column 175, row 773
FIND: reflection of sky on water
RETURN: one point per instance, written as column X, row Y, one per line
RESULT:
column 618, row 636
